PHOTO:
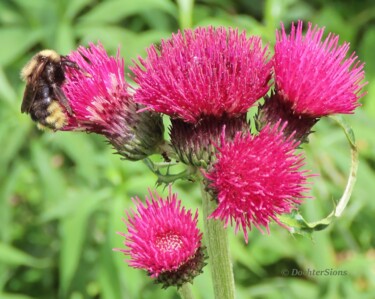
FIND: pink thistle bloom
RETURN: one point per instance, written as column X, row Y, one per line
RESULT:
column 162, row 236
column 257, row 178
column 205, row 72
column 313, row 75
column 101, row 103
column 99, row 93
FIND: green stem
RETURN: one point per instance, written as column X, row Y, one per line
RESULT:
column 297, row 222
column 218, row 251
column 353, row 168
column 185, row 291
column 185, row 13
column 350, row 184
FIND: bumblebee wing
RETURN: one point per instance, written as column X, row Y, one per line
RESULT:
column 60, row 95
column 31, row 87
column 28, row 98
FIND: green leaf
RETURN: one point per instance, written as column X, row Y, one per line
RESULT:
column 14, row 142
column 65, row 38
column 7, row 186
column 73, row 230
column 9, row 16
column 300, row 226
column 80, row 148
column 367, row 52
column 131, row 44
column 131, row 280
column 369, row 105
column 108, row 273
column 109, row 12
column 14, row 296
column 12, row 256
column 7, row 92
column 73, row 8
column 363, row 123
column 331, row 17
column 18, row 40
column 53, row 182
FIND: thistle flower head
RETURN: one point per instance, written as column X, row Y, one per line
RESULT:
column 194, row 144
column 98, row 93
column 314, row 75
column 203, row 72
column 257, row 178
column 275, row 109
column 164, row 240
column 99, row 97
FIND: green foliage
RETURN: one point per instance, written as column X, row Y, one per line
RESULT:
column 62, row 195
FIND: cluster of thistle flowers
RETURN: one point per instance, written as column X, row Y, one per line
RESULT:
column 206, row 80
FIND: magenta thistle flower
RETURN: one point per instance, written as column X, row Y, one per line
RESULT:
column 163, row 239
column 99, row 97
column 205, row 72
column 98, row 93
column 257, row 178
column 313, row 75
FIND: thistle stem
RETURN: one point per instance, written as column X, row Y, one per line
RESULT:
column 185, row 291
column 353, row 168
column 185, row 13
column 218, row 250
column 300, row 224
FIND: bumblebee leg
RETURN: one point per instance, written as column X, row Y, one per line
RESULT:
column 60, row 95
column 70, row 63
column 66, row 62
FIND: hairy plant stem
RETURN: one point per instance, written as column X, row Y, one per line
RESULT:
column 218, row 250
column 185, row 8
column 353, row 168
column 185, row 291
column 297, row 222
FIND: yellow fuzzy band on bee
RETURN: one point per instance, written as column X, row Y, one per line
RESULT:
column 57, row 117
column 54, row 106
column 50, row 54
column 56, row 123
column 34, row 62
column 28, row 69
column 41, row 127
column 61, row 122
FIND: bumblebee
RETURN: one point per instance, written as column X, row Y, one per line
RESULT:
column 44, row 98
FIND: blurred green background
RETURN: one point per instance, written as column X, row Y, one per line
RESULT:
column 62, row 195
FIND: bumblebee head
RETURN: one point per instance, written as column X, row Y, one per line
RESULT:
column 37, row 60
column 50, row 55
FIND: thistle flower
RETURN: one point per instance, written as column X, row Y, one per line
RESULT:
column 164, row 240
column 313, row 78
column 257, row 178
column 99, row 97
column 315, row 75
column 203, row 72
